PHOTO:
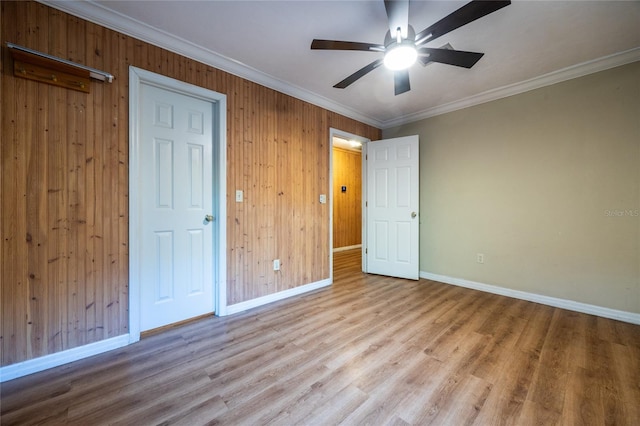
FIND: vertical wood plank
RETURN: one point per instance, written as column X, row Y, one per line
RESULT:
column 13, row 227
column 74, row 122
column 121, row 116
column 64, row 185
column 37, row 183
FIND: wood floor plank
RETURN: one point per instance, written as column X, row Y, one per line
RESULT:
column 338, row 407
column 549, row 383
column 383, row 405
column 626, row 367
column 463, row 405
column 301, row 400
column 582, row 404
column 428, row 388
column 367, row 350
column 511, row 385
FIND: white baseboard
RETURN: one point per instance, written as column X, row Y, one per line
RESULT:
column 254, row 303
column 31, row 366
column 337, row 249
column 571, row 305
column 24, row 368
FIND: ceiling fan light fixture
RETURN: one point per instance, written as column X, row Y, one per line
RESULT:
column 400, row 56
column 402, row 46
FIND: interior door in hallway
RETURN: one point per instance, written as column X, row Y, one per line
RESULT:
column 176, row 202
column 392, row 207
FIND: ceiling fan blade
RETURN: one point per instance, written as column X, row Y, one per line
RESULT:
column 398, row 16
column 466, row 14
column 458, row 58
column 345, row 45
column 360, row 73
column 401, row 82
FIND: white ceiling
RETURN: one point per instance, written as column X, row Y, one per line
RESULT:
column 527, row 44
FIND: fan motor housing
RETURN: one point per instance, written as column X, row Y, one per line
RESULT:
column 389, row 40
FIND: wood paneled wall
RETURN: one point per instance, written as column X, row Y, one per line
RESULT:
column 347, row 206
column 64, row 185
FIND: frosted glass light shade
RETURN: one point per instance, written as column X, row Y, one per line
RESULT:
column 400, row 57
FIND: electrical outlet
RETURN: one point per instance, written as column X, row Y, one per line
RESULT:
column 276, row 265
column 480, row 258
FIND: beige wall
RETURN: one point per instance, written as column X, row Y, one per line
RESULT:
column 545, row 184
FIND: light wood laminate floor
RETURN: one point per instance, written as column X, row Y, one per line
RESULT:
column 368, row 350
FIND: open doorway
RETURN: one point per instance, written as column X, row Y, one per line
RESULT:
column 347, row 194
column 389, row 182
column 346, row 191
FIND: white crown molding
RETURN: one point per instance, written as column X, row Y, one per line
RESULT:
column 100, row 15
column 575, row 71
column 630, row 317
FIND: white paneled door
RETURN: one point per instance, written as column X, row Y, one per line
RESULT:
column 392, row 227
column 176, row 264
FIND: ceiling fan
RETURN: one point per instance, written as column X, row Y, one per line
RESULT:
column 402, row 46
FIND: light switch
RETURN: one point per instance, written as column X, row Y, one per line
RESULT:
column 239, row 196
column 323, row 199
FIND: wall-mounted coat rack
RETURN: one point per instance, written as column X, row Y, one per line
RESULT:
column 38, row 66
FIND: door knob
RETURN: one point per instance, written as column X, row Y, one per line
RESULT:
column 414, row 214
column 209, row 218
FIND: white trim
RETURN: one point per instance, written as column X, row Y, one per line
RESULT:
column 345, row 248
column 134, row 209
column 123, row 24
column 364, row 191
column 575, row 71
column 137, row 77
column 20, row 369
column 260, row 301
column 571, row 305
column 220, row 205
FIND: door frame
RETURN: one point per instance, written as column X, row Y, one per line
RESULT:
column 350, row 136
column 137, row 77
